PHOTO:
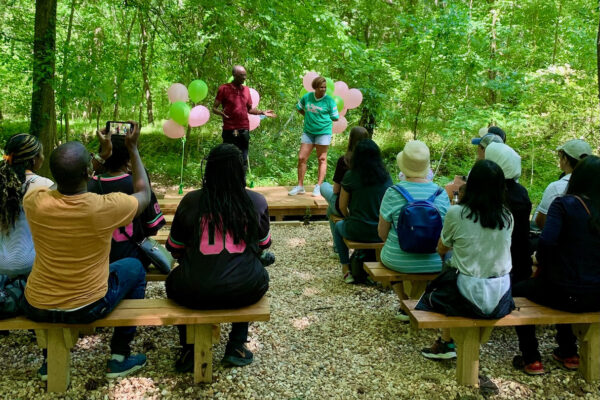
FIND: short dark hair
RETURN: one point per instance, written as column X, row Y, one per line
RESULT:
column 484, row 198
column 357, row 134
column 584, row 182
column 120, row 155
column 497, row 131
column 572, row 161
column 318, row 81
column 69, row 163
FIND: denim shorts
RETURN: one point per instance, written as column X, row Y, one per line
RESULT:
column 309, row 138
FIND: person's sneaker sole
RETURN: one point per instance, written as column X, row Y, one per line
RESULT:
column 439, row 356
column 236, row 361
column 122, row 374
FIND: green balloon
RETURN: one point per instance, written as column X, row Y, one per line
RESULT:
column 197, row 90
column 339, row 102
column 330, row 86
column 303, row 92
column 180, row 112
column 230, row 79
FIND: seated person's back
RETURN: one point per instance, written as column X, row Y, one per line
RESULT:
column 118, row 179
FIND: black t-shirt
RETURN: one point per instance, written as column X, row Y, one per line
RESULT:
column 212, row 264
column 520, row 207
column 364, row 205
column 147, row 224
column 338, row 176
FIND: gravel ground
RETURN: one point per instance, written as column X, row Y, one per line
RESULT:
column 325, row 340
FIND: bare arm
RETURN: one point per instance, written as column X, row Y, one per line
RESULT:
column 105, row 149
column 215, row 109
column 540, row 220
column 268, row 113
column 442, row 249
column 344, row 201
column 141, row 186
column 301, row 112
column 383, row 228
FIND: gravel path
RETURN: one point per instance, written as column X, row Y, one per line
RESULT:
column 325, row 340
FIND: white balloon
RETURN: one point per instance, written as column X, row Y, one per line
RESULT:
column 177, row 92
column 255, row 97
column 307, row 80
column 353, row 99
column 254, row 121
column 341, row 89
column 173, row 130
column 340, row 125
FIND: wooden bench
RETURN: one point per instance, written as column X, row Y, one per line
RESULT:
column 469, row 333
column 202, row 330
column 406, row 286
column 377, row 246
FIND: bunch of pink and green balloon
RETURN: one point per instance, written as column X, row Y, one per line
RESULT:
column 180, row 113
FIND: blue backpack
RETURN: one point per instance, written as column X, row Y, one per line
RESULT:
column 419, row 223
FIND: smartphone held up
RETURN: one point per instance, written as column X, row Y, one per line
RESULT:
column 118, row 127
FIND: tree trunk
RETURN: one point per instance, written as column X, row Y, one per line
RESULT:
column 143, row 50
column 43, row 109
column 421, row 98
column 121, row 72
column 556, row 32
column 65, row 70
column 367, row 120
column 1, row 116
column 491, row 71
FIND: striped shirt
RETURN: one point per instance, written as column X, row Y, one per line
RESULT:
column 392, row 256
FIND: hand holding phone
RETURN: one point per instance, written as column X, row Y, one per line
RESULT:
column 119, row 127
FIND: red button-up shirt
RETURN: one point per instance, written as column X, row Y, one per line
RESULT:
column 236, row 102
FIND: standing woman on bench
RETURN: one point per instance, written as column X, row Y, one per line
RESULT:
column 23, row 155
column 363, row 188
column 568, row 278
column 475, row 283
column 218, row 235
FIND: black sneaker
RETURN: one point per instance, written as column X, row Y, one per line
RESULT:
column 185, row 362
column 440, row 350
column 237, row 355
column 267, row 258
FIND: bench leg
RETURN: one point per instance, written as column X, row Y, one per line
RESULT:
column 216, row 333
column 59, row 361
column 589, row 350
column 203, row 340
column 399, row 289
column 415, row 289
column 87, row 331
column 467, row 350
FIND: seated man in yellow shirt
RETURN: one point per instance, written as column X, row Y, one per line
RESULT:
column 71, row 280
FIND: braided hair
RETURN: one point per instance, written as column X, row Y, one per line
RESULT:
column 19, row 155
column 224, row 202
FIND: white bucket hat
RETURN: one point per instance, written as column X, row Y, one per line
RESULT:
column 413, row 160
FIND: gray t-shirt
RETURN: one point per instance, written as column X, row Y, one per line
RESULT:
column 481, row 255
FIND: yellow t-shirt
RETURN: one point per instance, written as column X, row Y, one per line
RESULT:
column 71, row 235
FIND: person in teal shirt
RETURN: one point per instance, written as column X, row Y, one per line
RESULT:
column 319, row 111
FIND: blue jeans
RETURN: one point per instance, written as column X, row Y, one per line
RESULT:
column 330, row 197
column 126, row 280
column 338, row 239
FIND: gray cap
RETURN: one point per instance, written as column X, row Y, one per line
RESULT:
column 576, row 148
column 490, row 138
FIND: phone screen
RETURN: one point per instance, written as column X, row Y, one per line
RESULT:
column 118, row 127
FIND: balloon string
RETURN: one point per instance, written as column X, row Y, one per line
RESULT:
column 182, row 157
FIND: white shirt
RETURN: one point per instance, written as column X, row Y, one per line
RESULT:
column 554, row 190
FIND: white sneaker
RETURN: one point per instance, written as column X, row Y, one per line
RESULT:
column 316, row 191
column 296, row 190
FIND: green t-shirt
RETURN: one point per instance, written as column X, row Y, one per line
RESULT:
column 318, row 114
column 392, row 256
column 361, row 224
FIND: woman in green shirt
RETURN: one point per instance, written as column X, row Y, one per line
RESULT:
column 319, row 111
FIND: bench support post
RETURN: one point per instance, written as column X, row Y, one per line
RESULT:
column 467, row 350
column 203, row 340
column 589, row 350
column 59, row 359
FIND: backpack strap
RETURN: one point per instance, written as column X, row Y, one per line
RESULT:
column 431, row 198
column 582, row 203
column 404, row 193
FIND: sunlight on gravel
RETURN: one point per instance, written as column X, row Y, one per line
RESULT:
column 325, row 340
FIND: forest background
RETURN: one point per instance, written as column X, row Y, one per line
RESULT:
column 433, row 70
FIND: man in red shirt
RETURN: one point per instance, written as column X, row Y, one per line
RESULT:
column 237, row 104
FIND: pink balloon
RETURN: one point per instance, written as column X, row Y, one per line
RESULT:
column 255, row 97
column 177, row 92
column 254, row 121
column 343, row 112
column 307, row 80
column 340, row 89
column 353, row 99
column 340, row 125
column 199, row 115
column 173, row 130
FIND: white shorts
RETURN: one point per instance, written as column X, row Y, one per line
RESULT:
column 309, row 138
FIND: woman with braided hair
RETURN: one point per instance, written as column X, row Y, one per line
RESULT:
column 23, row 156
column 218, row 235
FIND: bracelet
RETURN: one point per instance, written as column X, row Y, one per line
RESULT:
column 99, row 159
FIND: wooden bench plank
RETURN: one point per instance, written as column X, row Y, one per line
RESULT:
column 154, row 312
column 525, row 315
column 410, row 286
